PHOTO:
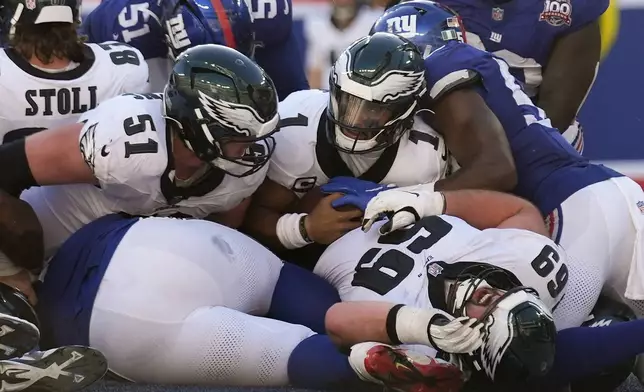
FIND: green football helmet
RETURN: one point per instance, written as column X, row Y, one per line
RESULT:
column 224, row 107
column 375, row 88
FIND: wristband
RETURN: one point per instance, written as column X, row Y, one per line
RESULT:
column 288, row 231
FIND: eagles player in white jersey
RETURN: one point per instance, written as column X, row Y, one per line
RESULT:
column 491, row 267
column 194, row 149
column 51, row 76
column 365, row 127
column 500, row 267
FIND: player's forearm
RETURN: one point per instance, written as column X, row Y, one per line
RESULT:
column 21, row 235
column 569, row 75
column 17, row 175
column 261, row 223
column 484, row 173
column 488, row 209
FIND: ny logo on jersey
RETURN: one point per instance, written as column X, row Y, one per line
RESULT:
column 177, row 36
column 557, row 12
column 402, row 25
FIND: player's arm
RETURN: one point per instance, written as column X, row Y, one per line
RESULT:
column 349, row 323
column 488, row 209
column 472, row 133
column 269, row 203
column 48, row 157
column 232, row 218
column 569, row 74
column 280, row 220
column 482, row 209
column 572, row 64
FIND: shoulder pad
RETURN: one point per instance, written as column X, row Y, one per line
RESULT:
column 124, row 138
column 452, row 66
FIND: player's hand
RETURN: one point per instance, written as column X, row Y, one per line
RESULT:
column 357, row 192
column 403, row 206
column 22, row 282
column 325, row 224
column 460, row 336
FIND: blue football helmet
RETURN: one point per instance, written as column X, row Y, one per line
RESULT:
column 190, row 23
column 429, row 25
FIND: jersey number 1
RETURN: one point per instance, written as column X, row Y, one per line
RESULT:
column 131, row 127
column 385, row 273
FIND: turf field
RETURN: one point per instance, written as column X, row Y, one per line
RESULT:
column 631, row 385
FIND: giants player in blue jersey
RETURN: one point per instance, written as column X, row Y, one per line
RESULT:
column 552, row 46
column 164, row 29
column 595, row 213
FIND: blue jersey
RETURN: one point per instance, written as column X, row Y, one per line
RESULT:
column 135, row 22
column 138, row 23
column 548, row 167
column 523, row 32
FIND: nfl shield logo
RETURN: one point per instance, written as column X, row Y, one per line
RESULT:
column 31, row 4
column 497, row 14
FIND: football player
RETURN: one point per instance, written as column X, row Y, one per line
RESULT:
column 51, row 76
column 199, row 319
column 195, row 150
column 551, row 174
column 555, row 56
column 366, row 127
column 162, row 28
column 499, row 267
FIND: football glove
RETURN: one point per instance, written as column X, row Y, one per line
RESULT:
column 357, row 192
column 403, row 206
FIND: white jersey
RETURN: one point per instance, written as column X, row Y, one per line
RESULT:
column 126, row 144
column 304, row 157
column 411, row 266
column 41, row 100
column 326, row 42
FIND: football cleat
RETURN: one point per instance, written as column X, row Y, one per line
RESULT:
column 63, row 369
column 403, row 370
column 17, row 336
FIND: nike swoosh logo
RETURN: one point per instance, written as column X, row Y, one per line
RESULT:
column 104, row 151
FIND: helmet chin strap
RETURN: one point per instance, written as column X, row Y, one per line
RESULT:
column 15, row 18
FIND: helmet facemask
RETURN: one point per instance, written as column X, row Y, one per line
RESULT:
column 367, row 116
column 519, row 331
column 238, row 148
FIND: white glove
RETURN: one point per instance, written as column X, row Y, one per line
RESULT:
column 460, row 336
column 403, row 206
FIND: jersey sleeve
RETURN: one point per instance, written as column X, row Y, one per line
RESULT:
column 120, row 143
column 450, row 67
column 284, row 63
column 293, row 164
column 585, row 12
column 134, row 22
